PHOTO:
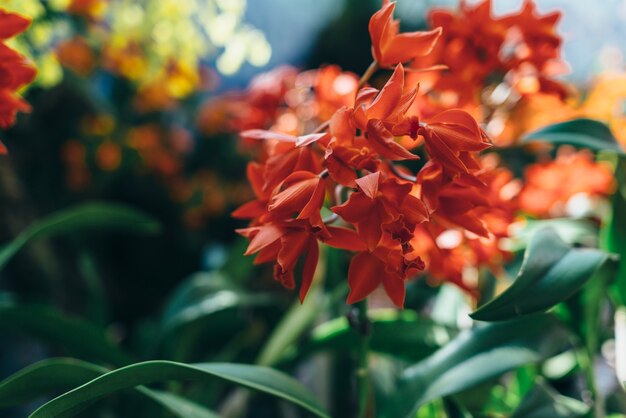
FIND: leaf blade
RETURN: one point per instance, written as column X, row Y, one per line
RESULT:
column 55, row 374
column 551, row 272
column 475, row 357
column 583, row 132
column 82, row 218
column 254, row 377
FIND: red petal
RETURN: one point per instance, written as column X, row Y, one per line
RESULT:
column 364, row 276
column 250, row 210
column 262, row 134
column 407, row 46
column 262, row 236
column 303, row 141
column 345, row 239
column 11, row 24
column 308, row 271
column 303, row 185
column 377, row 24
column 394, row 287
column 389, row 97
column 369, row 184
column 292, row 245
column 384, row 142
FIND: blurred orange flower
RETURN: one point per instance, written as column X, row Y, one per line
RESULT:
column 551, row 186
column 76, row 55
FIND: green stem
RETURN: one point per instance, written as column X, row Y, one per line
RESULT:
column 585, row 360
column 362, row 372
column 368, row 74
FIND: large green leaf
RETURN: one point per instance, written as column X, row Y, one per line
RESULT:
column 551, row 272
column 543, row 401
column 205, row 294
column 81, row 219
column 401, row 334
column 476, row 356
column 73, row 335
column 586, row 133
column 259, row 378
column 60, row 374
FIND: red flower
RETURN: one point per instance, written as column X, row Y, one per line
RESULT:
column 389, row 47
column 451, row 137
column 303, row 194
column 388, row 266
column 381, row 206
column 15, row 71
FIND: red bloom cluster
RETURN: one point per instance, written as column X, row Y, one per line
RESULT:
column 15, row 71
column 350, row 165
column 478, row 48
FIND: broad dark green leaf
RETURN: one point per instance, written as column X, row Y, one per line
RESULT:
column 75, row 336
column 259, row 378
column 205, row 294
column 542, row 401
column 401, row 334
column 586, row 133
column 59, row 374
column 474, row 357
column 551, row 272
column 81, row 219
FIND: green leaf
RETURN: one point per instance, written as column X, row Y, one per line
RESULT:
column 614, row 232
column 586, row 133
column 543, row 401
column 474, row 357
column 81, row 219
column 259, row 378
column 177, row 405
column 401, row 334
column 551, row 272
column 75, row 336
column 57, row 374
column 205, row 294
column 570, row 230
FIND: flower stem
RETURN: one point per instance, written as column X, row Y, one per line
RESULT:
column 368, row 74
column 362, row 372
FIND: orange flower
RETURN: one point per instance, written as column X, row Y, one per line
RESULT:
column 550, row 185
column 479, row 50
column 91, row 9
column 392, row 215
column 382, row 206
column 76, row 55
column 388, row 266
column 389, row 47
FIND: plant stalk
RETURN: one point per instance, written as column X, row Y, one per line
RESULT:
column 368, row 74
column 362, row 372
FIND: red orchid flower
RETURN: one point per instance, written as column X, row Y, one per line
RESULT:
column 381, row 205
column 15, row 71
column 388, row 266
column 389, row 47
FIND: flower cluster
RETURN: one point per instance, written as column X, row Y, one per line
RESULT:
column 15, row 71
column 347, row 183
column 567, row 185
column 521, row 49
